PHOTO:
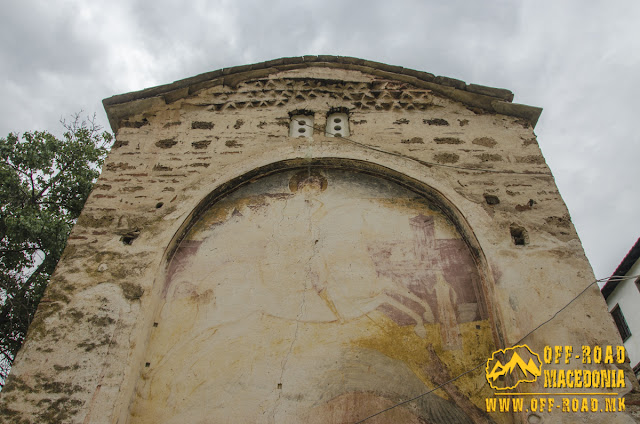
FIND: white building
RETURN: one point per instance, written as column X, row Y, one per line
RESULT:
column 623, row 301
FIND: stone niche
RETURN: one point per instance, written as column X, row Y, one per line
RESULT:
column 292, row 298
column 316, row 239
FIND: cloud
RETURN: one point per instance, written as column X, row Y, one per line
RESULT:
column 579, row 63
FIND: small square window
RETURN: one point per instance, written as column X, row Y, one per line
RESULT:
column 337, row 125
column 301, row 126
column 621, row 323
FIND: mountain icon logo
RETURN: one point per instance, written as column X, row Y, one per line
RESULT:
column 519, row 363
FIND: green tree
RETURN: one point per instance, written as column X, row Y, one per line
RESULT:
column 44, row 183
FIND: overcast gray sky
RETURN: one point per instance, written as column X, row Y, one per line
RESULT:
column 577, row 59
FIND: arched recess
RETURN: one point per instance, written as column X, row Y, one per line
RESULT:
column 320, row 290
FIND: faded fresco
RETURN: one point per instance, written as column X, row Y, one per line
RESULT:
column 320, row 296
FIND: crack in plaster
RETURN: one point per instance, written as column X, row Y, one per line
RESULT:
column 278, row 225
column 308, row 271
column 105, row 365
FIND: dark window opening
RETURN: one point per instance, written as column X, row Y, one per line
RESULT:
column 491, row 199
column 636, row 370
column 621, row 323
column 519, row 235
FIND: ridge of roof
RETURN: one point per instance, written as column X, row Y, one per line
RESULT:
column 498, row 100
column 630, row 258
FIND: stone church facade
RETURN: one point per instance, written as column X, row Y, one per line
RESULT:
column 316, row 239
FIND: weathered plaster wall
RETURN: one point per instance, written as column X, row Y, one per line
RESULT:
column 310, row 287
column 101, row 333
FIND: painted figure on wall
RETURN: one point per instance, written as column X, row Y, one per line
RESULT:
column 317, row 296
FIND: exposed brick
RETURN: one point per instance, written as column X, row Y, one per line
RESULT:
column 120, row 143
column 534, row 159
column 436, row 121
column 232, row 143
column 447, row 140
column 414, row 140
column 134, row 124
column 167, row 143
column 446, row 157
column 202, row 125
column 486, row 157
column 484, row 141
column 202, row 144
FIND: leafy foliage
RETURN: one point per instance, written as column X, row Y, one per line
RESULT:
column 44, row 183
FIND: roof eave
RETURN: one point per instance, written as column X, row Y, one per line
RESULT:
column 631, row 257
column 494, row 100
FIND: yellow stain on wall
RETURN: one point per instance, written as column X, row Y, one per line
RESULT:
column 402, row 343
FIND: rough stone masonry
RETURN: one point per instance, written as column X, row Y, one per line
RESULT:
column 317, row 239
